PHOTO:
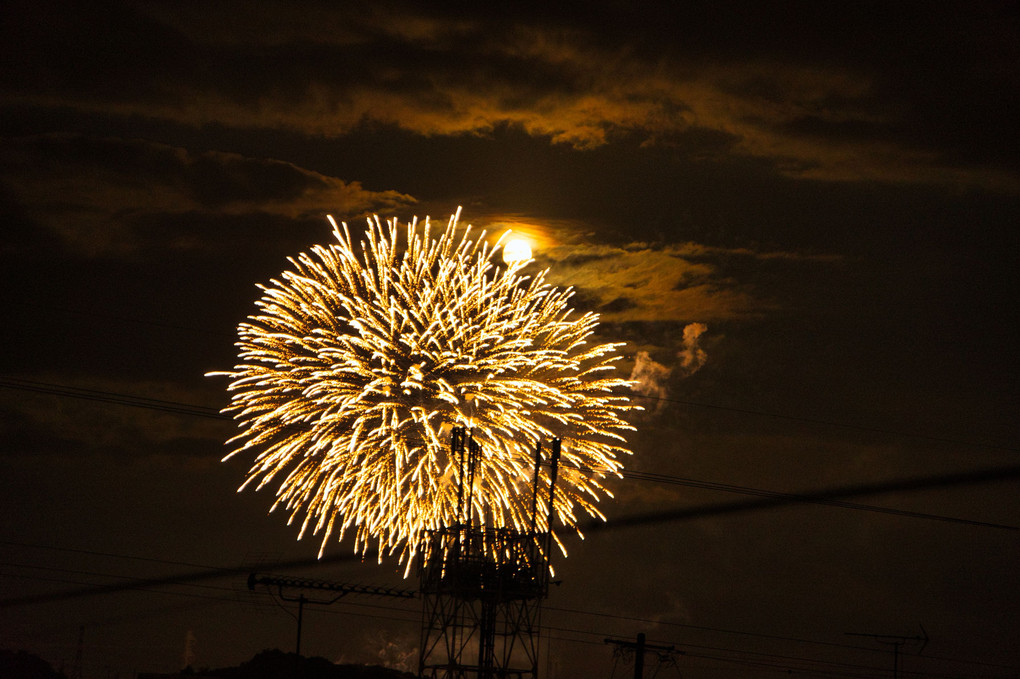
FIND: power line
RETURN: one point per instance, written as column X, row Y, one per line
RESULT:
column 181, row 578
column 829, row 497
column 764, row 659
column 130, row 400
column 74, row 571
column 786, row 662
column 204, row 411
column 767, row 498
column 146, row 585
column 700, row 628
column 92, row 552
column 130, row 586
column 770, row 499
column 92, row 314
column 829, row 423
column 413, row 620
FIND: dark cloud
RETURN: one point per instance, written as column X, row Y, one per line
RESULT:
column 617, row 305
column 107, row 195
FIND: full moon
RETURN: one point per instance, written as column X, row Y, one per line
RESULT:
column 516, row 250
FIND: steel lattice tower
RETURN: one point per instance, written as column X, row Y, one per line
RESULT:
column 482, row 588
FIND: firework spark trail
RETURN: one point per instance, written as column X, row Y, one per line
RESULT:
column 359, row 355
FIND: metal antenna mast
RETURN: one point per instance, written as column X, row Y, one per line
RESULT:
column 482, row 587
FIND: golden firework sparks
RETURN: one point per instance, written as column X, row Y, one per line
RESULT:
column 360, row 354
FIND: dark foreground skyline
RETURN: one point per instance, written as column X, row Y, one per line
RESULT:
column 801, row 219
column 268, row 664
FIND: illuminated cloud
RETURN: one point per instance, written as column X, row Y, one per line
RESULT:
column 658, row 283
column 688, row 283
column 326, row 72
column 649, row 378
column 692, row 356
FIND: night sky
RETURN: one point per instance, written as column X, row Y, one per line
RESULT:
column 801, row 219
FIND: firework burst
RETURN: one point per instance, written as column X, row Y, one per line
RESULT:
column 363, row 354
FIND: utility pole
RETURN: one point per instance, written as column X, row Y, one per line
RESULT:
column 339, row 590
column 639, row 647
column 189, row 650
column 76, row 670
column 897, row 642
